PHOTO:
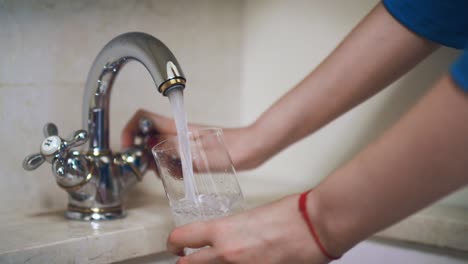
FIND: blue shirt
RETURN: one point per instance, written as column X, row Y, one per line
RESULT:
column 442, row 21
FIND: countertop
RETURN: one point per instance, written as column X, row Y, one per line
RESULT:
column 50, row 238
column 439, row 225
column 47, row 237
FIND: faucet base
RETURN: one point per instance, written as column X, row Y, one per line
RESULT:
column 94, row 214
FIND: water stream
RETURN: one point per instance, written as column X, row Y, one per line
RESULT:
column 176, row 98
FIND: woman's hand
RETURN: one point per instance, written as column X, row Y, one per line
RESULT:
column 162, row 126
column 242, row 142
column 274, row 233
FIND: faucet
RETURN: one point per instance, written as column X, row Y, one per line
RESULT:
column 96, row 178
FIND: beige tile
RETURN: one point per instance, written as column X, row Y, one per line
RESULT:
column 48, row 47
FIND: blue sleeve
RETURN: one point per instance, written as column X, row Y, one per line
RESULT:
column 459, row 71
column 441, row 21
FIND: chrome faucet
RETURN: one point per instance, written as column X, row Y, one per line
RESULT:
column 96, row 178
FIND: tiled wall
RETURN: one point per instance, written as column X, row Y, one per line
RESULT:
column 46, row 51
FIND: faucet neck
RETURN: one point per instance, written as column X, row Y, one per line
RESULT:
column 151, row 52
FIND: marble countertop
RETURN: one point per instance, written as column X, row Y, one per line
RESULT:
column 50, row 238
column 439, row 225
column 47, row 237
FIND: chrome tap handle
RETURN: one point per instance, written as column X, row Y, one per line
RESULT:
column 50, row 129
column 136, row 158
column 71, row 168
column 146, row 126
column 145, row 132
column 53, row 147
column 79, row 138
column 49, row 148
column 33, row 161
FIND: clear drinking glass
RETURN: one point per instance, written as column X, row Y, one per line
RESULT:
column 217, row 191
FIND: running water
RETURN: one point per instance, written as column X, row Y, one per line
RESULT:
column 176, row 98
column 195, row 206
column 211, row 206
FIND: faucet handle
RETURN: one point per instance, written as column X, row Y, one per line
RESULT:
column 33, row 161
column 50, row 129
column 79, row 138
column 146, row 132
column 50, row 148
column 146, row 126
column 54, row 147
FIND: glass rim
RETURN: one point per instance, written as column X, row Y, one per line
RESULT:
column 172, row 136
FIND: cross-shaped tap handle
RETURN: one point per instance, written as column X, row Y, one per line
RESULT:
column 54, row 147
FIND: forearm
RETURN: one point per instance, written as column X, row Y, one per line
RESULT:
column 419, row 160
column 375, row 53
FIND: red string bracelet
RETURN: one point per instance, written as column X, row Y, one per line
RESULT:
column 305, row 215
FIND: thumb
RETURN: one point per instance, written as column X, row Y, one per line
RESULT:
column 195, row 235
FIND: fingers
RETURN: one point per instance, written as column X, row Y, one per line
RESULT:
column 161, row 124
column 203, row 256
column 130, row 129
column 170, row 163
column 194, row 235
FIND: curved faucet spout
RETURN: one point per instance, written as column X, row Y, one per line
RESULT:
column 97, row 178
column 151, row 52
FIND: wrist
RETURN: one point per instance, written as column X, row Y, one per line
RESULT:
column 323, row 225
column 259, row 144
column 244, row 147
column 239, row 142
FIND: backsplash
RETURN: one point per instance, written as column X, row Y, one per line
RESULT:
column 47, row 49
